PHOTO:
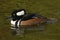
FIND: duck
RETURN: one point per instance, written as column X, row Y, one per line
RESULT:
column 21, row 18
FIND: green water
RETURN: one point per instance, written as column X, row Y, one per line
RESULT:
column 46, row 8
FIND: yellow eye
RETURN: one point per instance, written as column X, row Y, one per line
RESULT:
column 13, row 14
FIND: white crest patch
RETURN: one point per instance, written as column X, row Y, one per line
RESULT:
column 20, row 13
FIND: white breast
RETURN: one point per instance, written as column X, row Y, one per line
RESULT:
column 13, row 23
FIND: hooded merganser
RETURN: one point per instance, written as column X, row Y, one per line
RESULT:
column 26, row 19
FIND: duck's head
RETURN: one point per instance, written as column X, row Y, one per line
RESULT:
column 18, row 12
